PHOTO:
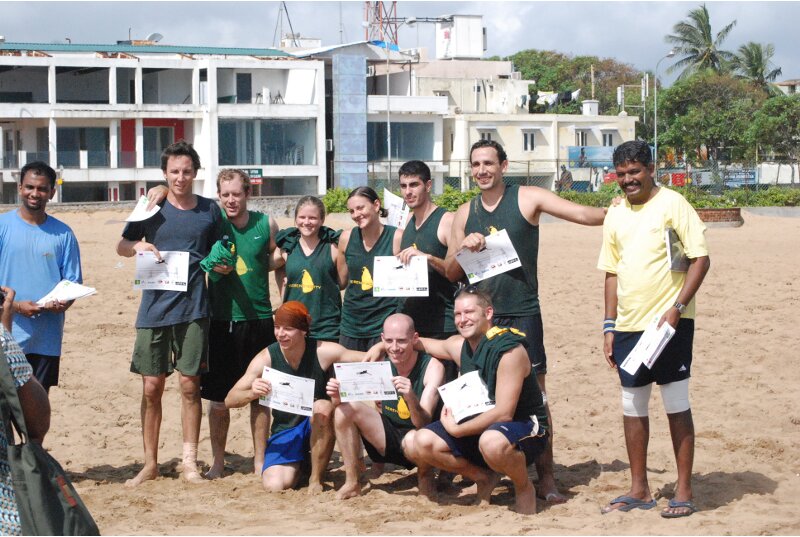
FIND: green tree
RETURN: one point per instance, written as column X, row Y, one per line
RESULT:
column 708, row 110
column 555, row 71
column 694, row 39
column 776, row 127
column 753, row 62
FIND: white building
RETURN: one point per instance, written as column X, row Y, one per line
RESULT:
column 101, row 115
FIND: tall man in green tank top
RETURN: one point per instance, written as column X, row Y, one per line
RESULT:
column 388, row 434
column 427, row 234
column 515, row 293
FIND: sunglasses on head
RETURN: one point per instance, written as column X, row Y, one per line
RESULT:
column 462, row 288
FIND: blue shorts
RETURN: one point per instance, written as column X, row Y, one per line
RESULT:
column 674, row 364
column 518, row 433
column 531, row 326
column 288, row 446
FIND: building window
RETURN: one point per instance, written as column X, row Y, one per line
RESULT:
column 486, row 135
column 410, row 141
column 528, row 140
column 608, row 139
column 283, row 142
column 580, row 138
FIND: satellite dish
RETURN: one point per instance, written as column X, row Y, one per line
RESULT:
column 155, row 37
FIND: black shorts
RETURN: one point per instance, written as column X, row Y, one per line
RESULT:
column 518, row 433
column 45, row 369
column 231, row 347
column 394, row 445
column 534, row 335
column 362, row 344
column 674, row 363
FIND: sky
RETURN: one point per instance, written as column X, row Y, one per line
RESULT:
column 629, row 32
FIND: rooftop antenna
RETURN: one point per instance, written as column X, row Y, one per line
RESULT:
column 155, row 37
column 382, row 21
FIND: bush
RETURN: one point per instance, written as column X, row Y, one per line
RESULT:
column 451, row 198
column 335, row 200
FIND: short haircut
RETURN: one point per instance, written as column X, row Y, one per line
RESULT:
column 371, row 195
column 483, row 299
column 397, row 317
column 310, row 200
column 229, row 174
column 39, row 168
column 180, row 148
column 633, row 151
column 501, row 153
column 415, row 168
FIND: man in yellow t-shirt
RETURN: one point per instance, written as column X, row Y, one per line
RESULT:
column 641, row 284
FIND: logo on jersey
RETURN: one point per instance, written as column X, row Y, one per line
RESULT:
column 366, row 280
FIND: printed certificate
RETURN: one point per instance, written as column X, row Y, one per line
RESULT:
column 390, row 277
column 649, row 346
column 289, row 393
column 171, row 274
column 499, row 256
column 140, row 212
column 466, row 396
column 365, row 381
column 397, row 209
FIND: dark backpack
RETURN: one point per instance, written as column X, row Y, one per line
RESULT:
column 47, row 501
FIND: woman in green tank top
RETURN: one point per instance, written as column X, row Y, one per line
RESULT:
column 362, row 313
column 309, row 275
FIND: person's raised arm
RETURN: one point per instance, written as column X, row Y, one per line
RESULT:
column 251, row 386
column 444, row 349
column 534, row 200
column 156, row 195
column 514, row 366
column 422, row 409
column 330, row 353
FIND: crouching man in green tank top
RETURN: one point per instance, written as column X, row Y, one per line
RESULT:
column 293, row 438
column 388, row 434
column 503, row 440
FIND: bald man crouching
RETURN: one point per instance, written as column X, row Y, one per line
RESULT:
column 292, row 437
column 388, row 434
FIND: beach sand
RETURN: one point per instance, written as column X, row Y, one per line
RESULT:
column 744, row 394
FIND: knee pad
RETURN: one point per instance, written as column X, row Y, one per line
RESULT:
column 635, row 401
column 675, row 396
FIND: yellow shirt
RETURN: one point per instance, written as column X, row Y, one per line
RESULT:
column 634, row 248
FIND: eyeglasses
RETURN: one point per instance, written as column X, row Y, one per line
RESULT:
column 471, row 289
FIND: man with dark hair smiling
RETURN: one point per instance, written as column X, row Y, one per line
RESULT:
column 641, row 285
column 36, row 252
column 172, row 326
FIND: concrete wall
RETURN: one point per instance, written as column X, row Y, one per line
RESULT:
column 76, row 87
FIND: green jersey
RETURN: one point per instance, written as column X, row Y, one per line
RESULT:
column 433, row 315
column 362, row 313
column 312, row 279
column 243, row 295
column 309, row 368
column 515, row 293
column 397, row 411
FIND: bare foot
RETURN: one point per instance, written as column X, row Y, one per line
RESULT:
column 427, row 486
column 376, row 471
column 486, row 484
column 349, row 490
column 548, row 491
column 525, row 500
column 314, row 487
column 146, row 474
column 190, row 474
column 215, row 472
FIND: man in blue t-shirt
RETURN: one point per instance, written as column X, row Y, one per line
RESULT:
column 36, row 252
column 172, row 326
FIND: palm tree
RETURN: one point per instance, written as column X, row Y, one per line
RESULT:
column 700, row 49
column 753, row 62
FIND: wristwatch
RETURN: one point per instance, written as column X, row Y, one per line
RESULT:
column 680, row 307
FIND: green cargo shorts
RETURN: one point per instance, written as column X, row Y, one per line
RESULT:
column 183, row 346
